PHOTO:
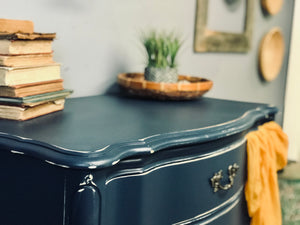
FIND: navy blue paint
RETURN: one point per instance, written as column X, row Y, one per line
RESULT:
column 31, row 191
column 86, row 206
column 174, row 192
column 137, row 178
column 106, row 129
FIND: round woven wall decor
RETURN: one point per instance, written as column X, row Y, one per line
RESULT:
column 271, row 54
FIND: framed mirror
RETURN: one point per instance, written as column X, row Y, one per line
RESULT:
column 208, row 40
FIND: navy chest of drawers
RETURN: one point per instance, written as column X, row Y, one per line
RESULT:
column 109, row 160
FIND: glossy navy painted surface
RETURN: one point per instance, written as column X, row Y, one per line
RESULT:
column 109, row 128
column 174, row 188
column 86, row 203
column 111, row 160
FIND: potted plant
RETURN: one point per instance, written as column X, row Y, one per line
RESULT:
column 161, row 49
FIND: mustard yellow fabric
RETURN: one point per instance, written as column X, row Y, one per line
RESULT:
column 267, row 153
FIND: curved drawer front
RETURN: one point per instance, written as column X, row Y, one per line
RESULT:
column 176, row 190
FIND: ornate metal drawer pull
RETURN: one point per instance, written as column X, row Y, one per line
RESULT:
column 216, row 179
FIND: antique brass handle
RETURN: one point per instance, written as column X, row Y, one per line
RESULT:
column 216, row 179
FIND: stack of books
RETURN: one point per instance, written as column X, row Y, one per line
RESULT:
column 30, row 80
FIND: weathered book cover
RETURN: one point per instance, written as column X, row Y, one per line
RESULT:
column 24, row 90
column 10, row 76
column 36, row 99
column 15, row 26
column 26, row 60
column 25, row 112
column 28, row 36
column 25, row 47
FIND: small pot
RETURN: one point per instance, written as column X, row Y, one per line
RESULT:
column 166, row 75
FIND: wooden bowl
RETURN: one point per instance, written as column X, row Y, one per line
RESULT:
column 272, row 6
column 186, row 88
column 271, row 54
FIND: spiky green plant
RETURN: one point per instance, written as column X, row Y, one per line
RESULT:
column 161, row 49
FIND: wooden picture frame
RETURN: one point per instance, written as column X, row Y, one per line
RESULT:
column 215, row 41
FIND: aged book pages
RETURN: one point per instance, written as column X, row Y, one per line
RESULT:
column 26, row 60
column 18, row 47
column 25, row 113
column 10, row 76
column 31, row 89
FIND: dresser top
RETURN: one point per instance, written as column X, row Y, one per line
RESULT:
column 110, row 128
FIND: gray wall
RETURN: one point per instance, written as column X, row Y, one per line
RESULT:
column 97, row 39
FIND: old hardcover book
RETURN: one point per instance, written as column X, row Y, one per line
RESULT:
column 26, row 60
column 14, row 26
column 10, row 76
column 19, row 47
column 27, row 36
column 34, row 100
column 25, row 112
column 24, row 90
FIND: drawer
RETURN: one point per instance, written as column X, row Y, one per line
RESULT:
column 174, row 186
column 32, row 191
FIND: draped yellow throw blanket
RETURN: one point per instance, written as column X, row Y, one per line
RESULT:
column 267, row 153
